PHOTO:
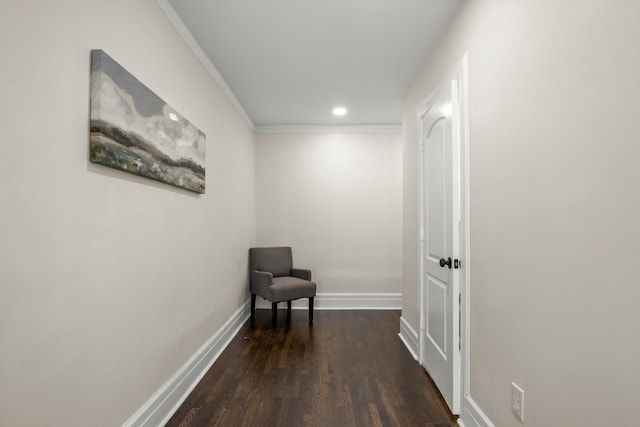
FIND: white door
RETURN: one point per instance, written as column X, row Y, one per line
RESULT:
column 440, row 328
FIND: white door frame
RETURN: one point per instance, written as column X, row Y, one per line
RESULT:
column 461, row 125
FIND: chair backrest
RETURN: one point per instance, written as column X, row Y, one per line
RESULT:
column 277, row 261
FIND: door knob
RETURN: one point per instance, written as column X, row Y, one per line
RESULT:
column 447, row 262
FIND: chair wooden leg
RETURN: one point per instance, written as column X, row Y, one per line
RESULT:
column 289, row 306
column 274, row 314
column 253, row 305
column 310, row 309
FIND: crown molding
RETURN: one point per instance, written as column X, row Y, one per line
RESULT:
column 175, row 20
column 181, row 28
column 329, row 129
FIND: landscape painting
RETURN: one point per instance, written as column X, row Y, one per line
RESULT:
column 133, row 130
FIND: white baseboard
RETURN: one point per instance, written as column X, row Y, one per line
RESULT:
column 157, row 410
column 472, row 415
column 346, row 301
column 162, row 405
column 409, row 337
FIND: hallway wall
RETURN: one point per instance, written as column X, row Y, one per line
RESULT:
column 554, row 206
column 108, row 282
column 336, row 198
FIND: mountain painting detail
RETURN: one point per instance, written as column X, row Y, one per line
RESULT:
column 133, row 130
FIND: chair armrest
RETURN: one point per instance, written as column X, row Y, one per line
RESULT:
column 301, row 273
column 260, row 282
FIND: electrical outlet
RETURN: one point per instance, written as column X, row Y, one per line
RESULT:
column 517, row 401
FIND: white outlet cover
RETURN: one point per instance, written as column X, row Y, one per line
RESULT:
column 517, row 401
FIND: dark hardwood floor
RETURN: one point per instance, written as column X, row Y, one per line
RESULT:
column 348, row 368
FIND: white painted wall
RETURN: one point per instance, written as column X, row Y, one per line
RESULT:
column 554, row 152
column 108, row 281
column 337, row 200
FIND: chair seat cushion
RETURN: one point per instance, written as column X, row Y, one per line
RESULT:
column 288, row 288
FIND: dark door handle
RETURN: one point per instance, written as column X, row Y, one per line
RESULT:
column 447, row 262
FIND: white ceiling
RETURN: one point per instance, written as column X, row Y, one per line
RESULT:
column 289, row 62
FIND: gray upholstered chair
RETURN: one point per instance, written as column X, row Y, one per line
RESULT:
column 273, row 277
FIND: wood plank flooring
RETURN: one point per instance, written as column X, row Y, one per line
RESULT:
column 347, row 368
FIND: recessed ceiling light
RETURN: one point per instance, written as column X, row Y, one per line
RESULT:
column 339, row 111
column 173, row 117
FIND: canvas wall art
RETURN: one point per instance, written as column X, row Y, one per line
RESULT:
column 133, row 130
